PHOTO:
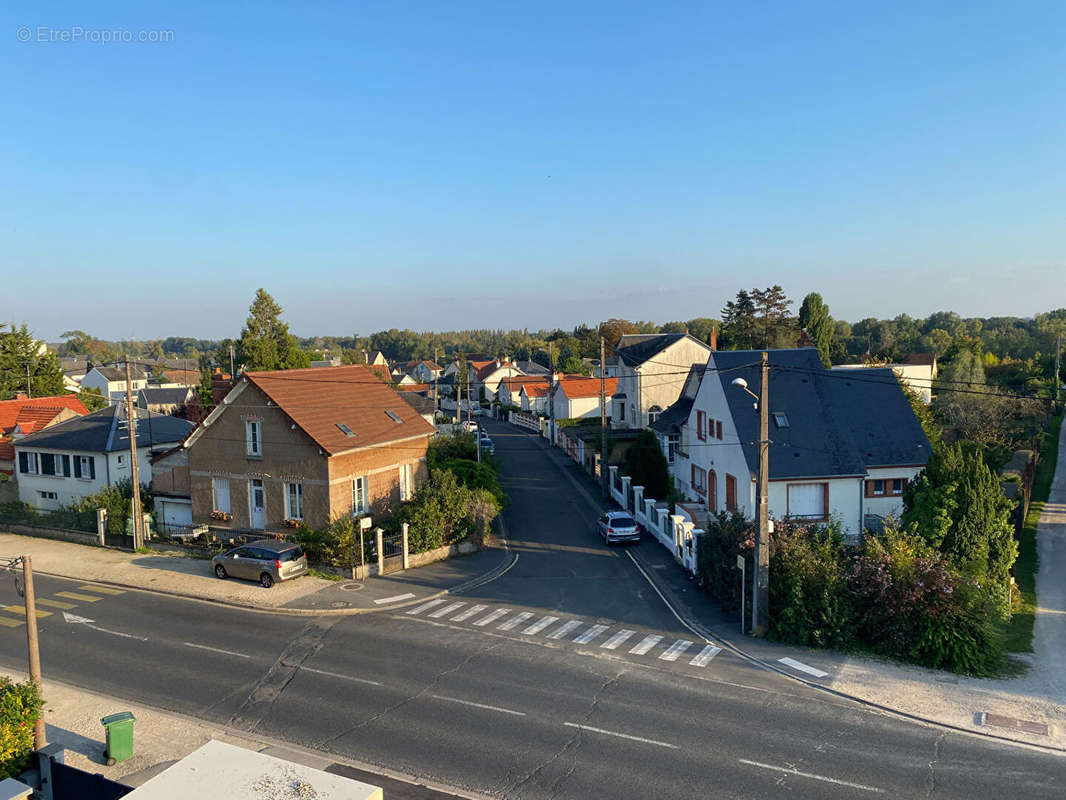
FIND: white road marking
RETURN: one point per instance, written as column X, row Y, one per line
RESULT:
column 424, row 606
column 394, row 599
column 478, row 705
column 791, row 662
column 216, row 650
column 495, row 615
column 621, row 735
column 468, row 613
column 515, row 621
column 539, row 625
column 812, row 776
column 705, row 655
column 646, row 644
column 342, row 677
column 590, row 634
column 448, row 609
column 675, row 650
column 617, row 640
column 564, row 629
column 74, row 619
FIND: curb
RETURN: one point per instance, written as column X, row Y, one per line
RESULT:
column 707, row 633
column 485, row 577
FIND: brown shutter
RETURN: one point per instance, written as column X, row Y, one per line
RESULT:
column 825, row 500
column 719, row 424
column 869, row 488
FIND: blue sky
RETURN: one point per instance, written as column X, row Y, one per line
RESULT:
column 451, row 165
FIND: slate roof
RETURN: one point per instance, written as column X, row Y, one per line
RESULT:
column 105, row 431
column 532, row 368
column 420, row 403
column 635, row 349
column 10, row 409
column 119, row 373
column 840, row 424
column 155, row 396
column 318, row 400
column 670, row 421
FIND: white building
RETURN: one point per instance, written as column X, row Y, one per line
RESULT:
column 579, row 398
column 111, row 381
column 917, row 371
column 65, row 463
column 840, row 449
column 651, row 371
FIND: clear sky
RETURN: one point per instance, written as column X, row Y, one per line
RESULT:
column 525, row 164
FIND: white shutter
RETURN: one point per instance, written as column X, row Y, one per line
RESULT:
column 806, row 500
column 220, row 488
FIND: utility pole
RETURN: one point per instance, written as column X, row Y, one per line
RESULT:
column 603, row 418
column 135, row 484
column 760, row 587
column 1058, row 357
column 39, row 740
column 469, row 409
column 231, row 365
column 29, row 386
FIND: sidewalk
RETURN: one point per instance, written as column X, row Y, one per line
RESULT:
column 72, row 720
column 1033, row 700
column 183, row 576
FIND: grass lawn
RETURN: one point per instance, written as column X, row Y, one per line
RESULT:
column 1020, row 630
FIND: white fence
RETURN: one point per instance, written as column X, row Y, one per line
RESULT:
column 672, row 531
column 531, row 422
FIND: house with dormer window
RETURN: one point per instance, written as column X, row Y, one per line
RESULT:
column 305, row 445
column 843, row 446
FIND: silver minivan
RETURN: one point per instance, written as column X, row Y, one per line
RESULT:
column 267, row 561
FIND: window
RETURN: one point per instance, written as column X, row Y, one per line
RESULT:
column 85, row 467
column 699, row 480
column 294, row 501
column 701, row 425
column 345, row 429
column 360, row 504
column 220, row 494
column 48, row 464
column 28, row 463
column 121, row 460
column 632, row 414
column 719, row 427
column 653, row 414
column 898, row 485
column 730, row 493
column 405, row 483
column 673, row 441
column 252, row 437
column 394, row 416
column 48, row 495
column 809, row 501
column 879, row 488
column 780, row 419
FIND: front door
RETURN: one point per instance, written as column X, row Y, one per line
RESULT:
column 257, row 499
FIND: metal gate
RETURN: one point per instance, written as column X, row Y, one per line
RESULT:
column 73, row 782
column 392, row 549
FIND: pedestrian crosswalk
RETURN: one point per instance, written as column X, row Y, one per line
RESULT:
column 578, row 631
column 14, row 615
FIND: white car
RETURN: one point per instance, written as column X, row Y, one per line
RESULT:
column 618, row 526
column 469, row 425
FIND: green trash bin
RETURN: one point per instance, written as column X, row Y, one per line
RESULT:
column 119, row 728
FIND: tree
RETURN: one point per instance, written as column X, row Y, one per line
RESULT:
column 26, row 366
column 701, row 327
column 759, row 318
column 614, row 329
column 266, row 343
column 92, row 398
column 738, row 322
column 937, row 341
column 646, row 465
column 673, row 327
column 75, row 343
column 815, row 320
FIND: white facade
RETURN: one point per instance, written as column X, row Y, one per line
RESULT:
column 534, row 404
column 492, row 381
column 918, row 377
column 50, row 492
column 657, row 382
column 576, row 407
column 115, row 391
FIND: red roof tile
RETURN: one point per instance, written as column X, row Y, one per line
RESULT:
column 10, row 409
column 586, row 387
column 318, row 400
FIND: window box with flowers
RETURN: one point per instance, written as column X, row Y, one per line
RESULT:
column 223, row 516
column 292, row 523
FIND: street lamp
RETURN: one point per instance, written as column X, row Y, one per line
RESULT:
column 760, row 587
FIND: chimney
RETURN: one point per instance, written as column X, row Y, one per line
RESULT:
column 713, row 338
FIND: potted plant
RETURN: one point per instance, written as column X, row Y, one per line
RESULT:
column 221, row 515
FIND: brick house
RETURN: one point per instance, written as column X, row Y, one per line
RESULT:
column 305, row 444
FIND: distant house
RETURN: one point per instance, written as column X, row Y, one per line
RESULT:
column 487, row 378
column 66, row 462
column 533, row 397
column 508, row 390
column 652, row 369
column 377, row 358
column 182, row 377
column 917, row 371
column 308, row 445
column 611, row 366
column 423, row 371
column 577, row 398
column 21, row 417
column 164, row 401
column 532, row 368
column 111, row 381
column 840, row 449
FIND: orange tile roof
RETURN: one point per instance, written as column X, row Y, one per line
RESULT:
column 33, row 419
column 518, row 381
column 10, row 409
column 319, row 399
column 7, row 450
column 188, row 377
column 586, row 387
column 535, row 389
column 414, row 387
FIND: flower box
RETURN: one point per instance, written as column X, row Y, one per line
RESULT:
column 221, row 515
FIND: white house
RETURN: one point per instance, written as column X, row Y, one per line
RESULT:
column 64, row 463
column 487, row 377
column 423, row 371
column 576, row 398
column 651, row 372
column 840, row 449
column 111, row 381
column 918, row 371
column 533, row 397
column 509, row 390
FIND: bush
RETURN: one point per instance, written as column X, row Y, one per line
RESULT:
column 726, row 536
column 647, row 466
column 447, row 448
column 474, row 475
column 437, row 513
column 20, row 706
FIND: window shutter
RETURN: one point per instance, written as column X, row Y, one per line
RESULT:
column 77, row 467
column 825, row 500
column 692, row 477
column 24, row 463
column 869, row 489
column 719, row 424
column 66, row 466
column 92, row 467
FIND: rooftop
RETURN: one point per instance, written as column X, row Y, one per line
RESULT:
column 106, row 431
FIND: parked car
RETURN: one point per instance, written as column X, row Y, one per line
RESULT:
column 470, row 426
column 267, row 561
column 487, row 445
column 618, row 526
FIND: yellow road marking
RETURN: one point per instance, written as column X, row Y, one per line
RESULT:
column 85, row 598
column 44, row 601
column 22, row 611
column 101, row 589
column 7, row 622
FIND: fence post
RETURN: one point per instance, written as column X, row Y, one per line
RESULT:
column 406, row 562
column 676, row 521
column 381, row 550
column 638, row 499
column 101, row 524
column 626, row 480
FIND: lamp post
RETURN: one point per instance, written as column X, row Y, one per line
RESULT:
column 760, row 586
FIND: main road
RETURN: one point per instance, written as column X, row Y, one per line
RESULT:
column 566, row 677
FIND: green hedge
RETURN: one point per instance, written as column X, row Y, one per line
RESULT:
column 20, row 706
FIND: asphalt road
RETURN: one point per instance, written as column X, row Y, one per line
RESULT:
column 517, row 711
